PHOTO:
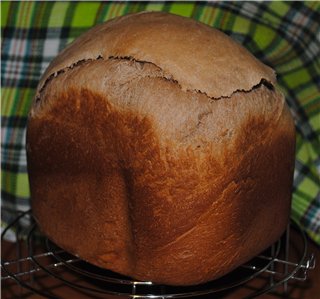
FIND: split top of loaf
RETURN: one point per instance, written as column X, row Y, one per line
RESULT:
column 196, row 56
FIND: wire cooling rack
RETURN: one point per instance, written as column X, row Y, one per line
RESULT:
column 274, row 266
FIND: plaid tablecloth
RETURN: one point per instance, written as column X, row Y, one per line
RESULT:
column 285, row 35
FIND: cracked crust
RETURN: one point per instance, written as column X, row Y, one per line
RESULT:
column 216, row 65
column 165, row 183
column 194, row 120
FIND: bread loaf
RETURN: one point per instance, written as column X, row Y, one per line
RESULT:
column 161, row 149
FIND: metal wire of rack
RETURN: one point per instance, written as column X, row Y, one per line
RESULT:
column 275, row 269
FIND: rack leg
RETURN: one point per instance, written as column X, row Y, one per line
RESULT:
column 286, row 257
column 272, row 264
column 31, row 264
column 134, row 289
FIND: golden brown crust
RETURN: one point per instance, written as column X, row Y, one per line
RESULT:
column 165, row 184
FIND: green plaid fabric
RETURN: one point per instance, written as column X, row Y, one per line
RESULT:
column 285, row 35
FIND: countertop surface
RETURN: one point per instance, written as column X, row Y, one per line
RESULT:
column 308, row 289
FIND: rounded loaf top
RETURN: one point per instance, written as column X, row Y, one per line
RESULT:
column 195, row 55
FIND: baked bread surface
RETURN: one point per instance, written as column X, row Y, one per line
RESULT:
column 160, row 149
